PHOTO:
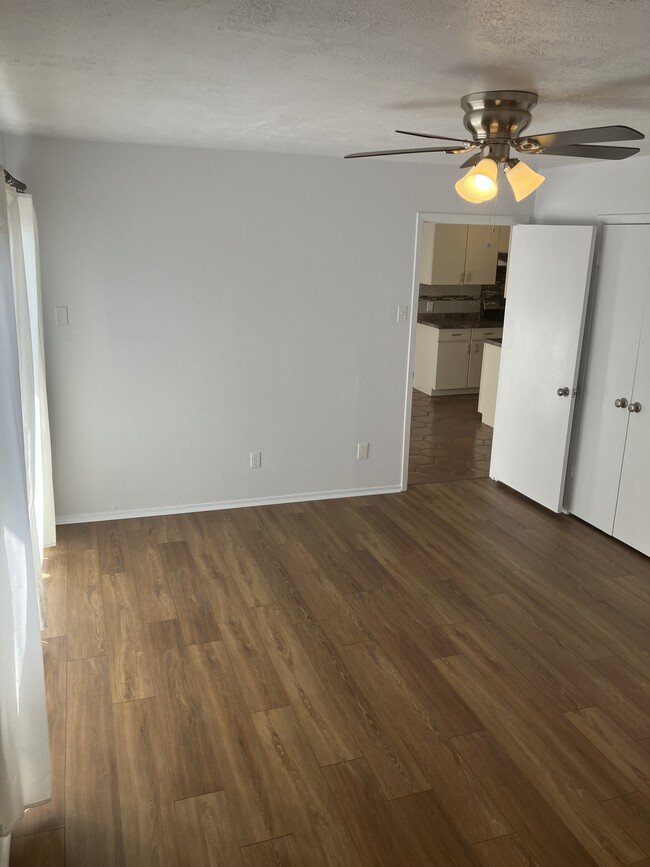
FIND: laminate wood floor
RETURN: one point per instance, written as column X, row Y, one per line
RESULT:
column 441, row 678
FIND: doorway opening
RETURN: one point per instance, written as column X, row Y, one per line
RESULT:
column 459, row 297
column 448, row 439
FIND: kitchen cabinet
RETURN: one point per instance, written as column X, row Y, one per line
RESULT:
column 442, row 253
column 475, row 363
column 487, row 395
column 481, row 255
column 456, row 254
column 451, row 369
column 503, row 244
column 610, row 484
column 448, row 359
column 476, row 350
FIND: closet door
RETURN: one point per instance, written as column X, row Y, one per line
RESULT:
column 619, row 299
column 632, row 524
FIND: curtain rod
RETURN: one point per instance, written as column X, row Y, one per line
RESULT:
column 17, row 185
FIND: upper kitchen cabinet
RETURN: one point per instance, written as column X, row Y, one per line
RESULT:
column 503, row 239
column 442, row 260
column 481, row 255
column 455, row 254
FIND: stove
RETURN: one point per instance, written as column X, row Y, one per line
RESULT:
column 493, row 308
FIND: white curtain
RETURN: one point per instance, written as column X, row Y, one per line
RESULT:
column 26, row 516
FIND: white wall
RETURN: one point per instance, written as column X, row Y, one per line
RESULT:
column 223, row 302
column 585, row 192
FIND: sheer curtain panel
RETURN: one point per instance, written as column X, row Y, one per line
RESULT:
column 25, row 524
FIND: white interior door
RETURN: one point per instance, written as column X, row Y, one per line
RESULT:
column 632, row 523
column 599, row 444
column 549, row 269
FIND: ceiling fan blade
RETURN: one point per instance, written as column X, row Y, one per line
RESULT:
column 471, row 161
column 578, row 136
column 409, row 151
column 592, row 152
column 428, row 135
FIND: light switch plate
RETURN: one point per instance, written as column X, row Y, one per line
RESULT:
column 362, row 451
column 403, row 313
column 61, row 316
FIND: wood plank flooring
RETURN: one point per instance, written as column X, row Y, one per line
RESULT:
column 448, row 677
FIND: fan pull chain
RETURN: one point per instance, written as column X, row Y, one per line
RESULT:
column 491, row 221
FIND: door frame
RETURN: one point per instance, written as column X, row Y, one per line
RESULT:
column 623, row 219
column 421, row 218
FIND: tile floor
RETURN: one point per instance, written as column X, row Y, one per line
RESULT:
column 448, row 439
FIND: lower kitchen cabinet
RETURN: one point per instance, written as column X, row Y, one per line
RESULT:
column 475, row 363
column 449, row 360
column 610, row 471
column 451, row 367
column 487, row 395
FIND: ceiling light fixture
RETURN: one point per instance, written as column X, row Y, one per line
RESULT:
column 480, row 182
column 522, row 178
column 496, row 121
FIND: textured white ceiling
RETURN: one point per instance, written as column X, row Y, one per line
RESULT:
column 313, row 76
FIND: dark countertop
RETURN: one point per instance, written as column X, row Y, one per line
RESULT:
column 495, row 341
column 458, row 323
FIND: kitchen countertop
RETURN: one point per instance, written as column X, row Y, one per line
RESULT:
column 459, row 323
column 494, row 341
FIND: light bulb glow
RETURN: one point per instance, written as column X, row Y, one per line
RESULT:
column 522, row 179
column 480, row 182
column 483, row 183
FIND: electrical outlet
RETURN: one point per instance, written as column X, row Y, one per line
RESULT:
column 403, row 313
column 429, row 306
column 256, row 460
column 362, row 451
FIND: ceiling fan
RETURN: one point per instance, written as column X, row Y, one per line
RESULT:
column 496, row 120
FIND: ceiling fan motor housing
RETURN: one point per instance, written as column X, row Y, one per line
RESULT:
column 495, row 117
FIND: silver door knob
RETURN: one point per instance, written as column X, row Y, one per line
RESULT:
column 621, row 402
column 634, row 407
column 563, row 392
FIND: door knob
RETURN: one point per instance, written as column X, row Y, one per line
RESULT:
column 634, row 407
column 620, row 402
column 563, row 392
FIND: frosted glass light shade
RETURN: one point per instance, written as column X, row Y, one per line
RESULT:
column 480, row 182
column 460, row 189
column 523, row 180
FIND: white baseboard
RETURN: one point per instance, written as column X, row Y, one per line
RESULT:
column 224, row 504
